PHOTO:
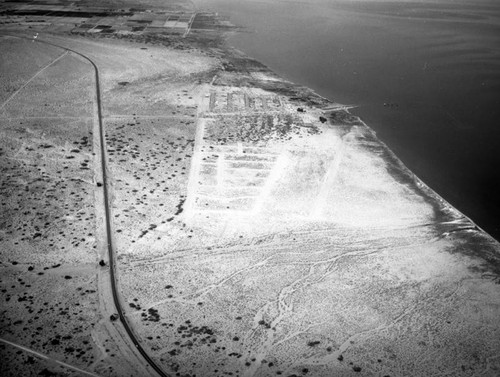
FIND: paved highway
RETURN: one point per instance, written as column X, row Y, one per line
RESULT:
column 107, row 210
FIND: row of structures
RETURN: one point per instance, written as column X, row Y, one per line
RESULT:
column 120, row 22
column 140, row 23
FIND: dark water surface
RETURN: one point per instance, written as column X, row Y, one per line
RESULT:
column 436, row 62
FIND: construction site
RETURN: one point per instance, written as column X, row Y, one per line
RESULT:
column 171, row 207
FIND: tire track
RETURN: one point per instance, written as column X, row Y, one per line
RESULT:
column 32, row 78
column 45, row 357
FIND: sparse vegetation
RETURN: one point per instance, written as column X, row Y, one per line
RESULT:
column 257, row 232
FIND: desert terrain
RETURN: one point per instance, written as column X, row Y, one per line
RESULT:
column 169, row 206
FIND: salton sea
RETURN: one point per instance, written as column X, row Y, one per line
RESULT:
column 424, row 75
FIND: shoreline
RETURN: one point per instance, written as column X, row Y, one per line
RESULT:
column 259, row 228
column 304, row 98
column 448, row 140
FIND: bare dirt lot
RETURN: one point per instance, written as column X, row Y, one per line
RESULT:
column 297, row 252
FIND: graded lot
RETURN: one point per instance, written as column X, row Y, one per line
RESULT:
column 260, row 229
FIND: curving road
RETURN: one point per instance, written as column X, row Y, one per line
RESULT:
column 107, row 210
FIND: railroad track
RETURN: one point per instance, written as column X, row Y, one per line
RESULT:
column 107, row 211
